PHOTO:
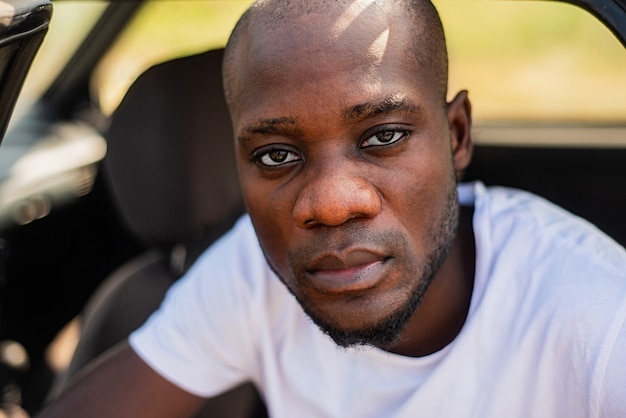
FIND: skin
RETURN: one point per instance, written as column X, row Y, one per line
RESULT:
column 348, row 170
column 357, row 209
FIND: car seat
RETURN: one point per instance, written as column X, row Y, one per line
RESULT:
column 587, row 181
column 171, row 170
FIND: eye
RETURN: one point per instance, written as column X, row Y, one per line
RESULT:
column 385, row 137
column 276, row 157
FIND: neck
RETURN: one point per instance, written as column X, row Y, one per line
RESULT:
column 443, row 309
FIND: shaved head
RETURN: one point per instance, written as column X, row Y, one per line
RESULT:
column 347, row 155
column 306, row 20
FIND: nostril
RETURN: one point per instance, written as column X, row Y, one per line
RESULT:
column 334, row 199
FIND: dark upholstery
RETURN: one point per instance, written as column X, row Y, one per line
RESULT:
column 590, row 182
column 171, row 169
column 170, row 159
column 122, row 304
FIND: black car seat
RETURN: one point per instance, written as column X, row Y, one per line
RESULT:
column 171, row 169
column 588, row 181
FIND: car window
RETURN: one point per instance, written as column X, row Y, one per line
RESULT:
column 163, row 30
column 540, row 61
column 533, row 62
column 70, row 23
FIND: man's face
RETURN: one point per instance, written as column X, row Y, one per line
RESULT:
column 345, row 162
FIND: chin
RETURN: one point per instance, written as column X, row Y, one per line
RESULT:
column 366, row 321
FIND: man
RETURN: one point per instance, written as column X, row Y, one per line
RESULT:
column 366, row 281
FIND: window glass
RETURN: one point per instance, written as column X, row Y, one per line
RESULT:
column 521, row 61
column 161, row 31
column 539, row 60
column 70, row 23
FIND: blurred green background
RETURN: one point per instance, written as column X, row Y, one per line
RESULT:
column 520, row 60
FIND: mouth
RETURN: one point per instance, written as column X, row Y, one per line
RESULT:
column 353, row 272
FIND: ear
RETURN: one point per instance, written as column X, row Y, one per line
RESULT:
column 459, row 112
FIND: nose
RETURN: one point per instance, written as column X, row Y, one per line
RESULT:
column 333, row 197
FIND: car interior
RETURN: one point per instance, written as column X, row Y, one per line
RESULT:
column 166, row 188
column 189, row 196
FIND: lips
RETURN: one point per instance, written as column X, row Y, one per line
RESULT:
column 353, row 271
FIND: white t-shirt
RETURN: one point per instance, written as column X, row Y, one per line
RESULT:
column 545, row 335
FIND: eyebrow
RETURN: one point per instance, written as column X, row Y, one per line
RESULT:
column 268, row 127
column 353, row 114
column 386, row 105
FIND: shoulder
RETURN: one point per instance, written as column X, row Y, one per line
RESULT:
column 536, row 229
column 239, row 241
column 233, row 277
column 550, row 264
column 234, row 263
column 549, row 280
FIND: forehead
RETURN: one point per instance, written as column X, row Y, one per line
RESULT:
column 325, row 39
column 363, row 50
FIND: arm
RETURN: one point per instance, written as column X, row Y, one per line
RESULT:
column 121, row 385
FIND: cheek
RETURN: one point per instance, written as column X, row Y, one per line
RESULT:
column 418, row 182
column 418, row 193
column 270, row 213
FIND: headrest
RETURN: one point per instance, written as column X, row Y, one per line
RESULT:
column 170, row 153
